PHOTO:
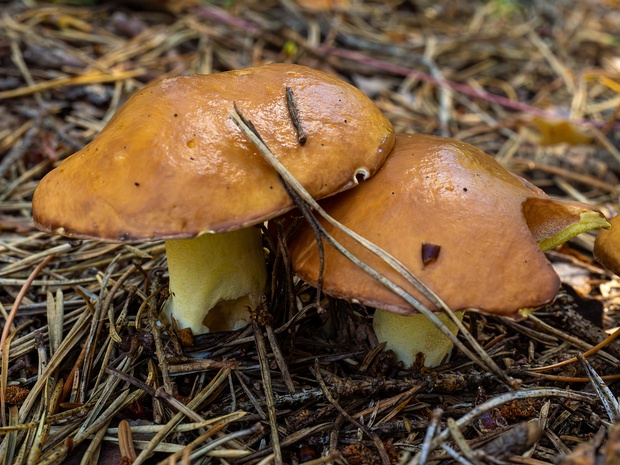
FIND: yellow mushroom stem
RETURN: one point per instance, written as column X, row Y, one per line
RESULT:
column 214, row 278
column 410, row 335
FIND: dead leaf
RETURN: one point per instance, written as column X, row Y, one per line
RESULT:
column 557, row 131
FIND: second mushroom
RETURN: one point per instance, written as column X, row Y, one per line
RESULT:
column 468, row 229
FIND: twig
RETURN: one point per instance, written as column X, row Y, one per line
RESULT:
column 496, row 402
column 94, row 446
column 187, row 450
column 459, row 439
column 21, row 148
column 277, row 354
column 108, row 308
column 176, row 419
column 609, row 401
column 4, row 351
column 266, row 377
column 42, row 435
column 429, row 436
column 294, row 438
column 257, row 429
column 92, row 77
column 302, row 136
column 593, row 350
column 156, row 331
column 96, row 328
column 519, row 164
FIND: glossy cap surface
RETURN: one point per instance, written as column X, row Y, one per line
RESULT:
column 466, row 208
column 607, row 246
column 171, row 163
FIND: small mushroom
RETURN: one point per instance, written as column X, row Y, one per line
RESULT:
column 479, row 228
column 607, row 246
column 171, row 165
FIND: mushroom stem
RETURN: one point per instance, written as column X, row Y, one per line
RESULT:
column 214, row 278
column 408, row 335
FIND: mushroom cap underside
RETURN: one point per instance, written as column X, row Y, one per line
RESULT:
column 172, row 164
column 447, row 193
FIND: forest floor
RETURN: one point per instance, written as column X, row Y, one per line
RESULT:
column 535, row 84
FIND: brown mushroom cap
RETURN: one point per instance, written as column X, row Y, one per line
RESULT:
column 607, row 246
column 171, row 163
column 451, row 195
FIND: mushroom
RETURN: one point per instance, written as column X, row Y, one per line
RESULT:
column 607, row 246
column 171, row 165
column 457, row 220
